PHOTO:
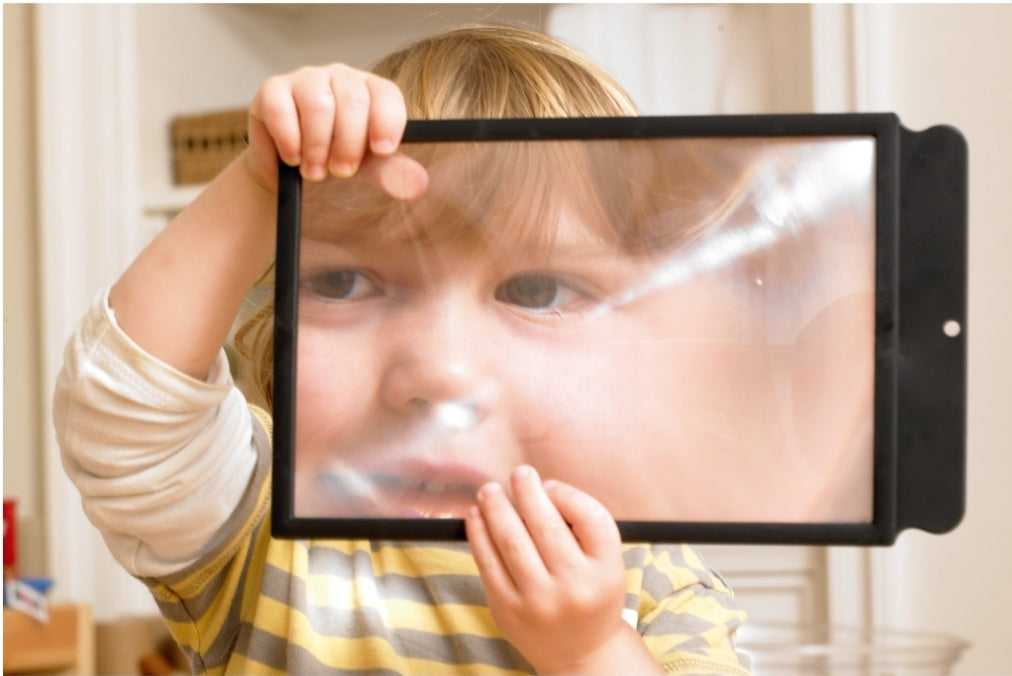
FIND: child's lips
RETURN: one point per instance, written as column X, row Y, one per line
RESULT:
column 406, row 490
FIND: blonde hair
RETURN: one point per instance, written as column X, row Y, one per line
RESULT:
column 501, row 71
column 475, row 71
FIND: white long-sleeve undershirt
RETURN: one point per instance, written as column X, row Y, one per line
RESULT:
column 161, row 459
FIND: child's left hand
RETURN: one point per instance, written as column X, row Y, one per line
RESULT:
column 554, row 576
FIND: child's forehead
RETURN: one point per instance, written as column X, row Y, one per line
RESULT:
column 467, row 205
column 518, row 229
column 517, row 196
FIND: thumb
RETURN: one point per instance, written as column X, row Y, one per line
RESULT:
column 398, row 175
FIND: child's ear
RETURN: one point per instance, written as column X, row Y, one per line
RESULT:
column 832, row 380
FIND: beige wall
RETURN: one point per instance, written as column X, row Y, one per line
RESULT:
column 22, row 450
column 953, row 64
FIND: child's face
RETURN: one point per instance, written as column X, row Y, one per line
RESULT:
column 428, row 367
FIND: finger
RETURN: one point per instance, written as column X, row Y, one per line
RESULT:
column 494, row 575
column 398, row 175
column 263, row 154
column 274, row 119
column 351, row 121
column 592, row 525
column 387, row 115
column 315, row 103
column 548, row 530
column 511, row 539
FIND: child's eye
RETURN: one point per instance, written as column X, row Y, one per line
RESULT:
column 341, row 285
column 537, row 292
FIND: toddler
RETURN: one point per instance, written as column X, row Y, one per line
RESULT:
column 173, row 461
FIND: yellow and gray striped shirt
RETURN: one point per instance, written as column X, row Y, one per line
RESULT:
column 259, row 605
column 175, row 472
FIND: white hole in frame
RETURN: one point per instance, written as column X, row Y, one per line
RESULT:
column 952, row 328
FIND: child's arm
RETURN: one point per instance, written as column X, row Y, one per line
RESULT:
column 163, row 459
column 553, row 572
column 179, row 297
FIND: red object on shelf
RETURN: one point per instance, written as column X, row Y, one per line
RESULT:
column 10, row 539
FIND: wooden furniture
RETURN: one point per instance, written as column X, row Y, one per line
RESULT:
column 64, row 645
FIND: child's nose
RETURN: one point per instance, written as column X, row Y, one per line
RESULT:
column 439, row 365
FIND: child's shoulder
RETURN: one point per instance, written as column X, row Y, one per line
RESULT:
column 674, row 566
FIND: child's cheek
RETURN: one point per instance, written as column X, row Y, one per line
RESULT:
column 568, row 407
column 330, row 391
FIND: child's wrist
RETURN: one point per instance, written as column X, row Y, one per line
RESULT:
column 623, row 652
column 262, row 176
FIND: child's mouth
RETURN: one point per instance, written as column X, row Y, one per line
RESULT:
column 364, row 494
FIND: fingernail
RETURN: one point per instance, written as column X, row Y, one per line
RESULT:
column 489, row 489
column 523, row 471
column 551, row 484
column 314, row 173
column 342, row 169
column 383, row 146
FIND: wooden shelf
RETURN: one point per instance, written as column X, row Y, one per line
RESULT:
column 66, row 644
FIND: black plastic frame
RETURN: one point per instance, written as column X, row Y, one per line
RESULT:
column 920, row 369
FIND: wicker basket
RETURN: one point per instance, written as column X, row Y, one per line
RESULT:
column 202, row 145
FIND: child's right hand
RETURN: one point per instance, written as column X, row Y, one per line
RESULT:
column 332, row 120
column 179, row 297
